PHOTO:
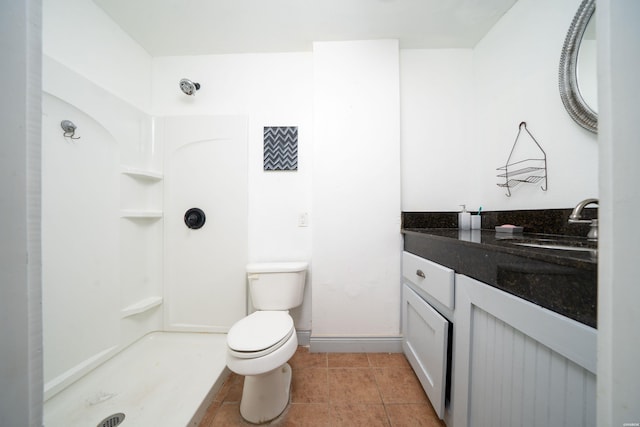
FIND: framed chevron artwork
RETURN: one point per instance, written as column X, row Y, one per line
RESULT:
column 280, row 148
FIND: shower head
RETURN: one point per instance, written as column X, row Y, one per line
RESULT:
column 189, row 87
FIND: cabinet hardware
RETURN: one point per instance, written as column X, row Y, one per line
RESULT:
column 420, row 273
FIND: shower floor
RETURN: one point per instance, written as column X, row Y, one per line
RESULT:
column 162, row 379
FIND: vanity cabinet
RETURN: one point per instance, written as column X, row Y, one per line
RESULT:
column 517, row 363
column 511, row 362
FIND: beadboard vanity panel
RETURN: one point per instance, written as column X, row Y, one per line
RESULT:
column 517, row 363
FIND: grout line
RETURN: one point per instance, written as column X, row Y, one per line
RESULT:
column 384, row 405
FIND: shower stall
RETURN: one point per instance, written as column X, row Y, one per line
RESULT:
column 136, row 303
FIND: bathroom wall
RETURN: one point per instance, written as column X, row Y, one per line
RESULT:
column 269, row 90
column 513, row 77
column 618, row 290
column 356, row 190
column 516, row 79
column 20, row 274
column 436, row 116
column 78, row 34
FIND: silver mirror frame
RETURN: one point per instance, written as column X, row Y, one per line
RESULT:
column 573, row 102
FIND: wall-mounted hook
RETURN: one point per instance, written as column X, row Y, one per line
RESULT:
column 69, row 129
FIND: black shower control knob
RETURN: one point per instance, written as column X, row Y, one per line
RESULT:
column 194, row 218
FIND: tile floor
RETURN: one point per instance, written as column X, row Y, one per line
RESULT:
column 338, row 389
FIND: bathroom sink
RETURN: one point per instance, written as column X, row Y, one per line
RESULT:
column 556, row 246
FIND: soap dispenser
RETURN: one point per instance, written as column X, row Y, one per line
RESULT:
column 464, row 219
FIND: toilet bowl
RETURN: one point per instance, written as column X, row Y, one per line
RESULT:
column 261, row 342
column 259, row 345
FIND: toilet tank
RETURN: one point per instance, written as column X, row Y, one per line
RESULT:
column 277, row 285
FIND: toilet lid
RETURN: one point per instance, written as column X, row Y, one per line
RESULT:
column 259, row 331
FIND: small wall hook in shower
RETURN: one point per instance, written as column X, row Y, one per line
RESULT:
column 189, row 87
column 69, row 129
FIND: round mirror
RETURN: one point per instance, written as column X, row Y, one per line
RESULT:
column 587, row 67
column 572, row 92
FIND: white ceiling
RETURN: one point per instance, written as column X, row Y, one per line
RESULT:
column 196, row 27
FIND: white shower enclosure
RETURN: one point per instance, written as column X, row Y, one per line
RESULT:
column 204, row 268
column 118, row 260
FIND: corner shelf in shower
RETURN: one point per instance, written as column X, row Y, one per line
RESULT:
column 148, row 175
column 141, row 214
column 141, row 306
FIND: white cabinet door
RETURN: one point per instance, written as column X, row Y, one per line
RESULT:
column 517, row 363
column 425, row 345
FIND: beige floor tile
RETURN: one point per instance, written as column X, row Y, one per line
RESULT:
column 338, row 389
column 399, row 385
column 310, row 385
column 226, row 386
column 304, row 359
column 388, row 360
column 235, row 391
column 352, row 385
column 305, row 414
column 413, row 415
column 355, row 415
column 228, row 415
column 348, row 360
column 210, row 414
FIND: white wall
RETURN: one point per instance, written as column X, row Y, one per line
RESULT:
column 271, row 90
column 80, row 35
column 514, row 78
column 20, row 284
column 356, row 189
column 436, row 112
column 618, row 291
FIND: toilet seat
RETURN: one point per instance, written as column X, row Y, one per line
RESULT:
column 259, row 334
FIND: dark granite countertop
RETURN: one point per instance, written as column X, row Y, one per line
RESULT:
column 562, row 281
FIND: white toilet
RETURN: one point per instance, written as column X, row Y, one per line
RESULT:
column 260, row 345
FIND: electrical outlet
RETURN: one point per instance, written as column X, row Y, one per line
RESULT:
column 303, row 219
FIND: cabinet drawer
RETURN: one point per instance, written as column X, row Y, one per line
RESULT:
column 432, row 278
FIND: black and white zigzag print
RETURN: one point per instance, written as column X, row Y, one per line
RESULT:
column 280, row 148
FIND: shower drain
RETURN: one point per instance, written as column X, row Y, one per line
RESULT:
column 112, row 420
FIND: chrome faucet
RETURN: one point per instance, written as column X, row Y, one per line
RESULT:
column 576, row 217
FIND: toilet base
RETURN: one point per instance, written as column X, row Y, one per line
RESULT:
column 265, row 396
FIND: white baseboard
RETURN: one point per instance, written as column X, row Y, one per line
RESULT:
column 356, row 344
column 303, row 337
